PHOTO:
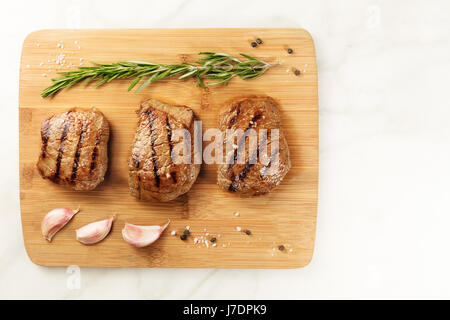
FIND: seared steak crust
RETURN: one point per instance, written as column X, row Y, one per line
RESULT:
column 153, row 175
column 254, row 176
column 74, row 148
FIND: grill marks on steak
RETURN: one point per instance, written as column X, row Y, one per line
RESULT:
column 251, row 124
column 153, row 142
column 153, row 174
column 253, row 176
column 78, row 152
column 95, row 152
column 169, row 139
column 249, row 164
column 67, row 121
column 45, row 133
column 69, row 153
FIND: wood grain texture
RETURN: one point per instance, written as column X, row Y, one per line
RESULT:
column 286, row 216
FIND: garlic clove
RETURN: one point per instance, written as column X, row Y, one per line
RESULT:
column 94, row 232
column 55, row 220
column 142, row 236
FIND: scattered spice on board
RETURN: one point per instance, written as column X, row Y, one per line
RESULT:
column 297, row 72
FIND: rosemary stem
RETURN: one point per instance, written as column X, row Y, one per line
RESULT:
column 218, row 66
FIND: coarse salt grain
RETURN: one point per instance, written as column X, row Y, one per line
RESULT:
column 195, row 240
column 236, row 214
column 214, row 244
column 173, row 232
column 238, row 228
column 41, row 64
column 44, row 75
column 207, row 243
column 188, row 227
column 207, row 234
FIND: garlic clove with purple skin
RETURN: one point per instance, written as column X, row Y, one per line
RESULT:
column 55, row 220
column 142, row 236
column 94, row 232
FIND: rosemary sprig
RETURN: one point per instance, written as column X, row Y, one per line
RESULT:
column 219, row 66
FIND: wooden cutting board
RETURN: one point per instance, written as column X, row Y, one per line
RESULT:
column 287, row 216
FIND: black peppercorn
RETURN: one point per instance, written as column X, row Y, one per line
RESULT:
column 297, row 72
column 254, row 44
column 258, row 41
column 186, row 232
column 213, row 239
column 290, row 51
column 183, row 237
column 248, row 232
column 281, row 247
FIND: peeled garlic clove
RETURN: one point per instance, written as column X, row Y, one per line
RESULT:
column 142, row 236
column 55, row 220
column 94, row 232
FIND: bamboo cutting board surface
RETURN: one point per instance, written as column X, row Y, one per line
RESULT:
column 286, row 216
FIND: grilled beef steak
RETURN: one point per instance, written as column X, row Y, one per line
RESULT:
column 75, row 148
column 153, row 173
column 247, row 172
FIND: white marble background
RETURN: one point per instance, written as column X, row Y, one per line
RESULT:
column 384, row 204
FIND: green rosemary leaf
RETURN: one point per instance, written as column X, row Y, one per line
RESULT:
column 145, row 83
column 134, row 83
column 246, row 56
column 200, row 82
column 187, row 75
